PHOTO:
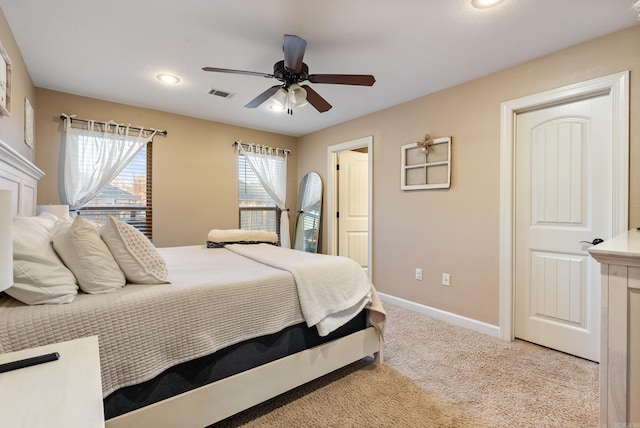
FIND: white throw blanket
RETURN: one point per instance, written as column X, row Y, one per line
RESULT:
column 331, row 289
column 240, row 235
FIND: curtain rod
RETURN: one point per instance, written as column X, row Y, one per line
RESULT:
column 133, row 128
column 240, row 143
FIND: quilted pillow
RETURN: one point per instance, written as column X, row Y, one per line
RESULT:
column 39, row 276
column 136, row 255
column 87, row 256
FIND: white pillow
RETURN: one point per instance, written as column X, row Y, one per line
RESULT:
column 87, row 256
column 39, row 276
column 136, row 255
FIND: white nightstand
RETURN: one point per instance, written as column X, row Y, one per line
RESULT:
column 65, row 393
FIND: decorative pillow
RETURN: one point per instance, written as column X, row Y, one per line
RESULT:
column 62, row 224
column 136, row 255
column 39, row 276
column 87, row 256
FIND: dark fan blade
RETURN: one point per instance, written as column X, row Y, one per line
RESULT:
column 316, row 100
column 294, row 48
column 343, row 79
column 228, row 70
column 263, row 96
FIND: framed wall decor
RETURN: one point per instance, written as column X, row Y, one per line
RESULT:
column 5, row 83
column 28, row 123
column 426, row 166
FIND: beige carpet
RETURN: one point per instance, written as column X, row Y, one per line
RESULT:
column 500, row 383
column 438, row 375
column 360, row 395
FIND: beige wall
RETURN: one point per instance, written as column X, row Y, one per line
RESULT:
column 194, row 166
column 12, row 127
column 456, row 230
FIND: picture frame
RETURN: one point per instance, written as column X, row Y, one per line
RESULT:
column 5, row 83
column 422, row 170
column 28, row 123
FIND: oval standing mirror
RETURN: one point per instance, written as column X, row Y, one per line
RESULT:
column 309, row 213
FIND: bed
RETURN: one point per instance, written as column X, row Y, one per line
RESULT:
column 230, row 329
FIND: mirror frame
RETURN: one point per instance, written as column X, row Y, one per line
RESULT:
column 309, row 214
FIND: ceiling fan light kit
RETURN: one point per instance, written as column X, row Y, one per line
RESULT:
column 279, row 100
column 291, row 72
column 288, row 99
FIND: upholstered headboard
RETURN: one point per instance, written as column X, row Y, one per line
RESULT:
column 21, row 176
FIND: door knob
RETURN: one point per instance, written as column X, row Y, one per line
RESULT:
column 594, row 242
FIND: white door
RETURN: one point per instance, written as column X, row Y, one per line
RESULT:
column 353, row 206
column 563, row 196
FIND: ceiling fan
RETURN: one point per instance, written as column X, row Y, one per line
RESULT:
column 291, row 72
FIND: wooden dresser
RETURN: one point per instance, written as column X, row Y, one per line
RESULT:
column 620, row 338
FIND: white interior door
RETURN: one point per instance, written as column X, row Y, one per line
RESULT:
column 563, row 196
column 353, row 206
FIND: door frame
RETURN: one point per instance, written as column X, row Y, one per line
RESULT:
column 615, row 84
column 332, row 194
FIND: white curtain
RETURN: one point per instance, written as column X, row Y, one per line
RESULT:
column 271, row 170
column 94, row 157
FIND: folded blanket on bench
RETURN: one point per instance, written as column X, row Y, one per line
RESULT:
column 220, row 237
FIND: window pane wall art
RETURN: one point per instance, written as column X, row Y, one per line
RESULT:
column 426, row 165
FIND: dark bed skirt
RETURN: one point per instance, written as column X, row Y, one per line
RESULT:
column 221, row 364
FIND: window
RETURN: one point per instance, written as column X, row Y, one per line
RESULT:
column 127, row 197
column 258, row 211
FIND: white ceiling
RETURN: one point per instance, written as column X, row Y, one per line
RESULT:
column 113, row 49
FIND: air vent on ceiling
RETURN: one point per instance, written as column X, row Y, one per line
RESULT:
column 219, row 93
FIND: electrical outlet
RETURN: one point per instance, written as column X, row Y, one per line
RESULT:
column 419, row 274
column 446, row 279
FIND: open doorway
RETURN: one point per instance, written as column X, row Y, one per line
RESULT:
column 350, row 200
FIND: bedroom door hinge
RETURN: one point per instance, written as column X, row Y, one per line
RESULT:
column 337, row 214
column 337, row 167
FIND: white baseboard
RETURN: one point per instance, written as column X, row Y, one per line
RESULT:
column 451, row 318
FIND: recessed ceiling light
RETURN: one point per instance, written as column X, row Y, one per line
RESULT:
column 168, row 78
column 483, row 4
